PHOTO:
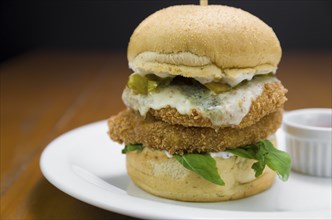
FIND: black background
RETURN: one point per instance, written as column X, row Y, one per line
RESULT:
column 107, row 25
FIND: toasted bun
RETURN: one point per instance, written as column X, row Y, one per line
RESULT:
column 203, row 42
column 157, row 174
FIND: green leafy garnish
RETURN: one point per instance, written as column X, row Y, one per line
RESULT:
column 132, row 147
column 266, row 154
column 202, row 164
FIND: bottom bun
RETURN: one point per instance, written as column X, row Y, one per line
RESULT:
column 157, row 174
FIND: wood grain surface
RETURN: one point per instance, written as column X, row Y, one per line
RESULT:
column 47, row 93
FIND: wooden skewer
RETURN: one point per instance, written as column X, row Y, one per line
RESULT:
column 203, row 2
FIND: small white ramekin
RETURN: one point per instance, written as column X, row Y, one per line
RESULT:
column 308, row 136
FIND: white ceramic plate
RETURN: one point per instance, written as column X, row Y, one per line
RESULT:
column 87, row 165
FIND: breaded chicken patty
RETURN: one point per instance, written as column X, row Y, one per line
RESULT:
column 130, row 128
column 193, row 105
column 272, row 98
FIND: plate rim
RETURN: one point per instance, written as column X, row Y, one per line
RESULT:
column 140, row 212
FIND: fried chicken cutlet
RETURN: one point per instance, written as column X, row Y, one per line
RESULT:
column 131, row 128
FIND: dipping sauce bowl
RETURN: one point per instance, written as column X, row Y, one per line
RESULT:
column 308, row 136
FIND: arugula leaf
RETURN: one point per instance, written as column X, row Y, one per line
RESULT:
column 265, row 154
column 245, row 152
column 132, row 147
column 202, row 164
column 278, row 160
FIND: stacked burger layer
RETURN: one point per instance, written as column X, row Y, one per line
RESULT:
column 203, row 105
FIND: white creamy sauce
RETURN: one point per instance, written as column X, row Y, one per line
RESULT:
column 222, row 154
column 233, row 78
column 167, row 154
column 227, row 108
column 233, row 81
column 202, row 80
column 229, row 77
column 161, row 75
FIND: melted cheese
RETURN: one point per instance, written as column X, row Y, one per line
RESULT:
column 231, row 77
column 228, row 108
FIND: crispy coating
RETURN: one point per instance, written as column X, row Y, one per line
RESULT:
column 130, row 128
column 272, row 98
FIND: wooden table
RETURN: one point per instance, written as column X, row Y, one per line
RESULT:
column 47, row 93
